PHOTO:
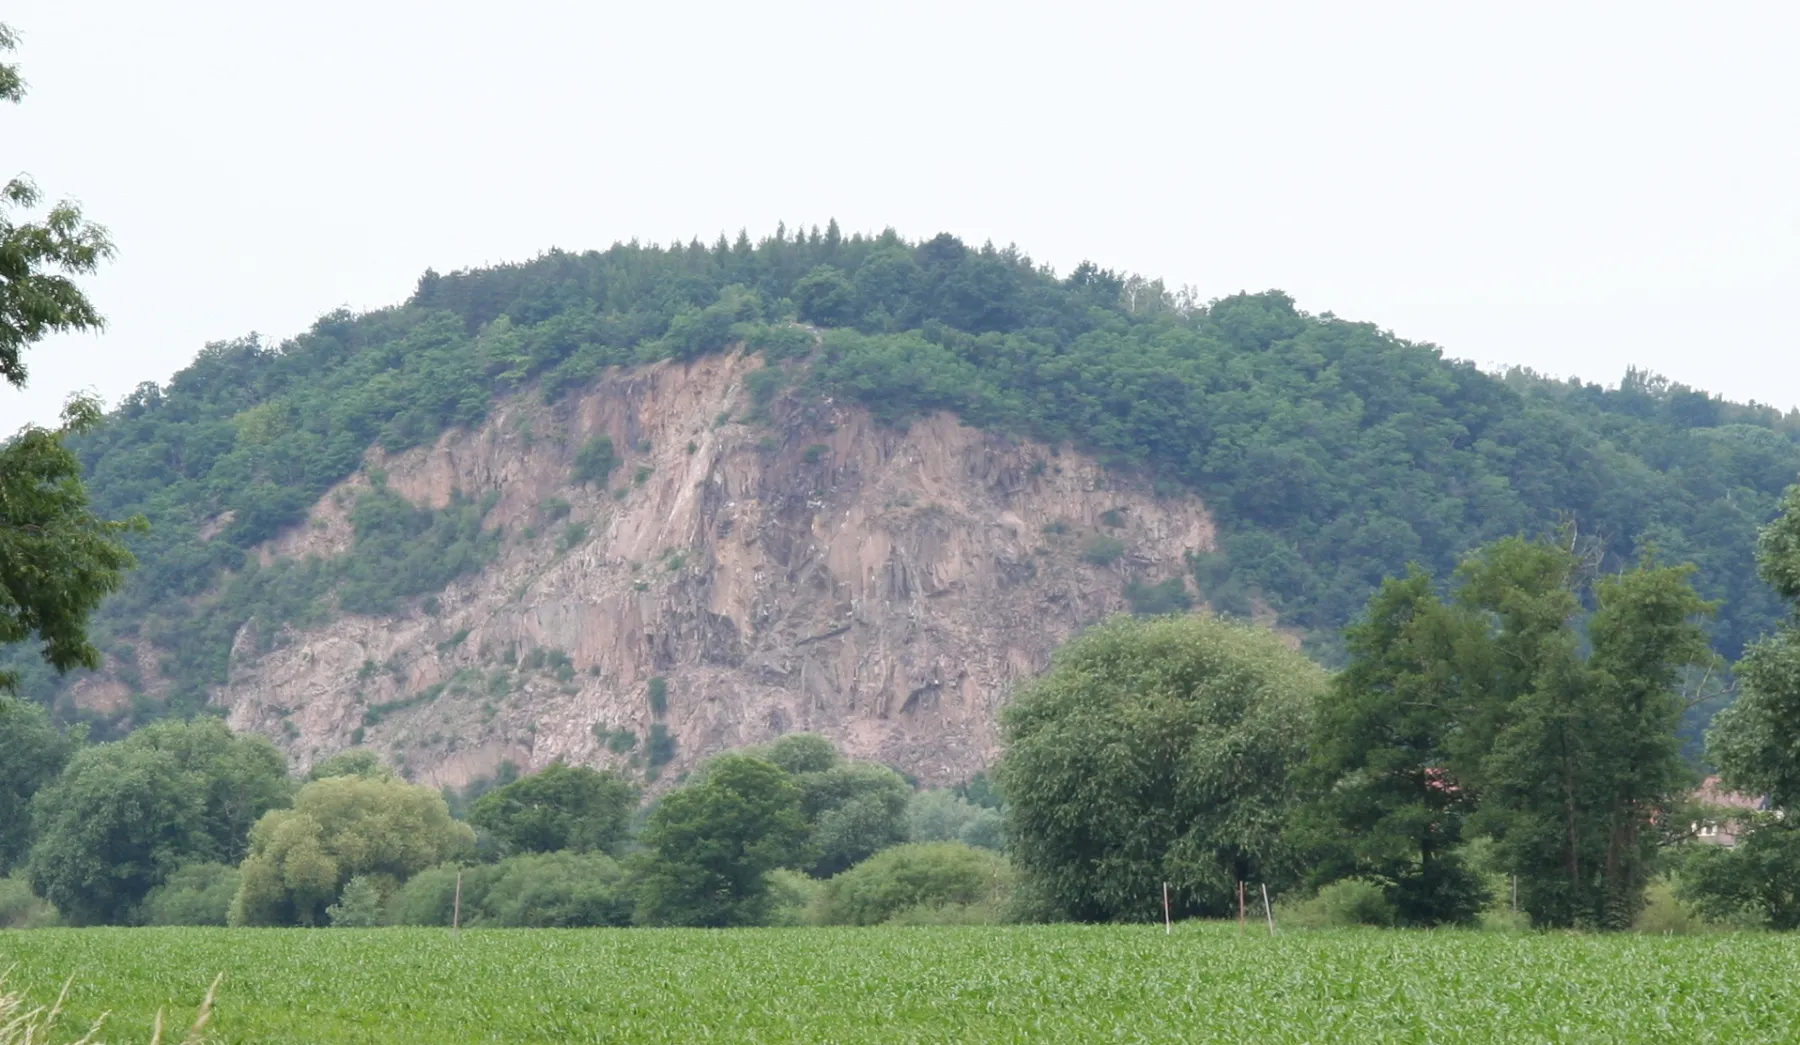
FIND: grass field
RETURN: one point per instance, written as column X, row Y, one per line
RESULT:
column 1050, row 984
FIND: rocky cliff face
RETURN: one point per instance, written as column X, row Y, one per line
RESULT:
column 813, row 571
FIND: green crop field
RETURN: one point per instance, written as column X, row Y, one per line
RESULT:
column 1051, row 984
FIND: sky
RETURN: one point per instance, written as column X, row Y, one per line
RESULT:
column 1573, row 187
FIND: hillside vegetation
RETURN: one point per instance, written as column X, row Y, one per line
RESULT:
column 1333, row 453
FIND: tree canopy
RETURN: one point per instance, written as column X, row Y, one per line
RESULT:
column 122, row 816
column 709, row 846
column 38, row 297
column 341, row 827
column 560, row 807
column 1158, row 750
column 1508, row 710
column 32, row 753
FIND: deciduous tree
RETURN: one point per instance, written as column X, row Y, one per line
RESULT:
column 1158, row 750
column 560, row 807
column 122, row 816
column 708, row 847
column 340, row 827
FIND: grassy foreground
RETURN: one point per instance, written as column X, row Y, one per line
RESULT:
column 1050, row 984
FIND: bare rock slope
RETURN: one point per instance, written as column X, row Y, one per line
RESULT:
column 732, row 582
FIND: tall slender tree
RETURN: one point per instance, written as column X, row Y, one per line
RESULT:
column 1509, row 711
column 1391, row 804
column 1575, row 754
column 1756, row 745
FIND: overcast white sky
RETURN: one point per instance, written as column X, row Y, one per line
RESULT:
column 1571, row 186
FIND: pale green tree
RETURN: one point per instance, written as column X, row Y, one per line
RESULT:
column 338, row 828
column 1157, row 750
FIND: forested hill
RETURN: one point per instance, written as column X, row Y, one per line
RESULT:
column 1332, row 452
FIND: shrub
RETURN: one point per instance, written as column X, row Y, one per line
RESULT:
column 351, row 763
column 1352, row 901
column 621, row 742
column 986, row 913
column 762, row 385
column 1154, row 600
column 359, row 906
column 429, row 897
column 595, row 461
column 572, row 535
column 20, row 908
column 556, row 890
column 793, row 897
column 1664, row 914
column 908, row 877
column 659, row 696
column 660, row 749
column 198, row 894
column 1102, row 550
column 945, row 816
column 778, row 342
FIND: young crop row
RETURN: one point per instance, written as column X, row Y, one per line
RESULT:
column 1204, row 983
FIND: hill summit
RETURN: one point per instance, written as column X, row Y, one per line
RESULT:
column 640, row 504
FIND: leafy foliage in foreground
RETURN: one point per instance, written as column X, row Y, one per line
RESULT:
column 1333, row 453
column 1205, row 984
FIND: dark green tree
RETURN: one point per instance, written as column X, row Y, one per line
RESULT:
column 1389, row 807
column 58, row 559
column 122, row 816
column 825, row 297
column 709, row 846
column 800, row 753
column 32, row 753
column 1756, row 745
column 561, row 807
column 1583, row 754
column 1158, row 750
column 556, row 891
column 855, row 809
column 1756, row 742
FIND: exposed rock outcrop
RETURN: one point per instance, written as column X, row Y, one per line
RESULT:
column 814, row 572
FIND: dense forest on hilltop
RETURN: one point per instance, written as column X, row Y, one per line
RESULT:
column 1333, row 452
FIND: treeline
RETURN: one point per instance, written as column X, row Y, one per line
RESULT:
column 1502, row 740
column 183, row 823
column 1334, row 453
column 1502, row 744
